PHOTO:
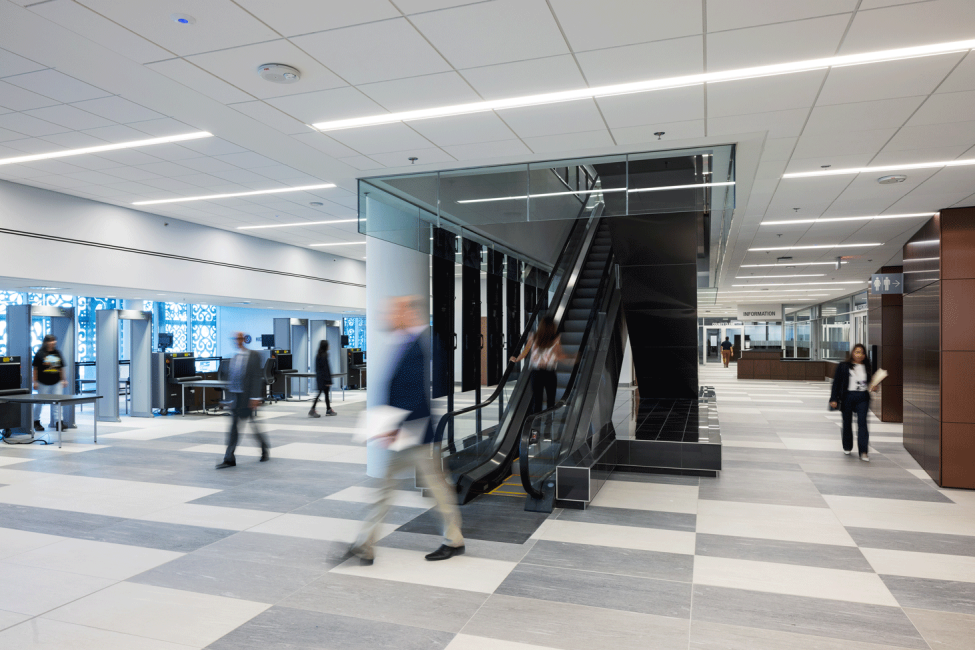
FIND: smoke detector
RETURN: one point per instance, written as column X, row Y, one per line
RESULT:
column 892, row 180
column 279, row 73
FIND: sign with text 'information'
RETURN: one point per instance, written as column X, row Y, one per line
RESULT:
column 759, row 312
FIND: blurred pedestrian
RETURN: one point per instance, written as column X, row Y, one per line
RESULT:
column 246, row 389
column 412, row 443
column 727, row 349
column 323, row 377
column 545, row 348
column 49, row 378
column 851, row 393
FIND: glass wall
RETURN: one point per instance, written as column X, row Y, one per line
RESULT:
column 828, row 330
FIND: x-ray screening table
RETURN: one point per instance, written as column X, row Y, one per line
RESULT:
column 54, row 400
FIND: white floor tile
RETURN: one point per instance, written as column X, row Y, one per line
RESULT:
column 468, row 642
column 12, row 460
column 33, row 591
column 44, row 634
column 98, row 559
column 767, row 521
column 323, row 528
column 361, row 494
column 934, row 566
column 13, row 542
column 813, row 582
column 192, row 619
column 647, row 496
column 191, row 514
column 461, row 572
column 894, row 514
column 751, row 444
column 220, row 450
column 645, row 539
column 317, row 451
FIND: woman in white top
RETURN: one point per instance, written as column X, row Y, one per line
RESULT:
column 546, row 352
column 851, row 386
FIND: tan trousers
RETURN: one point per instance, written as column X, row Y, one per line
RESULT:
column 726, row 357
column 429, row 471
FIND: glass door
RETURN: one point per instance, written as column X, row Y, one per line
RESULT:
column 712, row 344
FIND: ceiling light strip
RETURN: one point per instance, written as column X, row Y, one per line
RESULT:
column 833, row 219
column 647, row 86
column 599, row 191
column 796, row 284
column 209, row 197
column 789, row 264
column 343, row 243
column 881, row 168
column 106, row 147
column 297, row 225
column 793, row 248
column 799, row 275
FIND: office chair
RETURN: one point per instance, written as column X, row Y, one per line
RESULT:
column 270, row 370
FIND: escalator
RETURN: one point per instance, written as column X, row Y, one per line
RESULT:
column 488, row 445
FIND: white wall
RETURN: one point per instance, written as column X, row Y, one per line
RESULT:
column 33, row 210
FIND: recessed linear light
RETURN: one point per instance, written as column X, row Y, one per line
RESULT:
column 290, row 225
column 799, row 275
column 46, row 288
column 647, row 86
column 342, row 243
column 797, row 284
column 792, row 248
column 598, row 191
column 830, row 219
column 105, row 147
column 752, row 266
column 279, row 190
column 881, row 168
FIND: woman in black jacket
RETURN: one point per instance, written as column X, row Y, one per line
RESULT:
column 851, row 386
column 323, row 376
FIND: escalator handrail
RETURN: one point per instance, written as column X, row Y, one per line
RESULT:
column 601, row 293
column 442, row 425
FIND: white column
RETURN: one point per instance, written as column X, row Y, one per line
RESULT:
column 391, row 270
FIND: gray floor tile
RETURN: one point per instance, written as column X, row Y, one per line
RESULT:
column 152, row 534
column 575, row 627
column 629, row 517
column 902, row 540
column 763, row 486
column 622, row 561
column 285, row 628
column 604, row 590
column 54, row 522
column 310, row 554
column 480, row 548
column 728, row 465
column 447, row 610
column 717, row 636
column 489, row 517
column 663, row 479
column 878, row 488
column 358, row 511
column 766, row 550
column 815, row 616
column 940, row 595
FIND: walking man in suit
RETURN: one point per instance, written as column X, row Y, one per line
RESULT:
column 245, row 388
column 409, row 390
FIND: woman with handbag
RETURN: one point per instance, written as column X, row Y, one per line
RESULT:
column 851, row 393
column 323, row 376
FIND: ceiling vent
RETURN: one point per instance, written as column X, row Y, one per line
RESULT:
column 279, row 73
column 892, row 180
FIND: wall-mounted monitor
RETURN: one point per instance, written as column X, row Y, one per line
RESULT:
column 267, row 341
column 165, row 340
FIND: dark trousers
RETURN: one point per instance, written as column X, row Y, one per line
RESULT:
column 856, row 401
column 322, row 391
column 242, row 411
column 543, row 381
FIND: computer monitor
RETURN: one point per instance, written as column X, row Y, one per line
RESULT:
column 184, row 367
column 165, row 340
column 10, row 374
column 267, row 341
column 358, row 358
column 283, row 361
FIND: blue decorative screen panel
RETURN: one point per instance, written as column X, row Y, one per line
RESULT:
column 85, row 346
column 355, row 328
column 7, row 298
column 204, row 332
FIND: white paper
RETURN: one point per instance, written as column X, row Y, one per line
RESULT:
column 379, row 421
column 878, row 377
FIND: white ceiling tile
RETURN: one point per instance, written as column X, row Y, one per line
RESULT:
column 886, row 113
column 418, row 6
column 673, row 132
column 243, row 177
column 6, row 135
column 906, row 78
column 119, row 110
column 247, row 160
column 11, row 63
column 167, row 169
column 623, row 22
column 174, row 185
column 173, row 153
column 401, row 159
column 764, row 94
column 442, row 89
column 219, row 24
column 362, row 163
column 88, row 162
column 129, row 157
column 57, row 85
column 779, row 124
column 949, row 107
column 271, row 116
column 99, row 29
column 947, row 181
column 928, row 154
column 570, row 142
column 781, row 43
column 390, row 49
column 162, row 127
column 681, row 56
column 815, row 164
column 828, row 145
column 734, row 14
column 922, row 23
column 116, row 133
column 554, row 119
column 866, row 188
column 201, row 81
column 203, row 180
column 278, row 172
column 291, row 17
column 961, row 78
column 385, row 138
column 493, row 32
column 131, row 173
column 62, row 181
column 18, row 99
column 239, row 66
column 327, row 105
column 27, row 146
column 639, row 109
column 933, row 136
column 213, row 147
column 325, row 144
column 927, row 203
column 70, row 117
column 24, row 123
column 525, row 77
column 464, row 129
column 487, row 150
column 208, row 165
column 93, row 177
column 58, row 167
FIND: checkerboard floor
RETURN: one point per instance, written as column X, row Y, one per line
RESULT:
column 138, row 542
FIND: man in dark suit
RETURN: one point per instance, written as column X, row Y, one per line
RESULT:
column 246, row 390
column 409, row 390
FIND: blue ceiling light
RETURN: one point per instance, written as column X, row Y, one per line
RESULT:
column 183, row 19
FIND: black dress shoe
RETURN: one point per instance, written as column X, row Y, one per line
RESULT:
column 359, row 553
column 37, row 425
column 445, row 552
column 265, row 457
column 225, row 464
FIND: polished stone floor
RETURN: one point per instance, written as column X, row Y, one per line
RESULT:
column 138, row 543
